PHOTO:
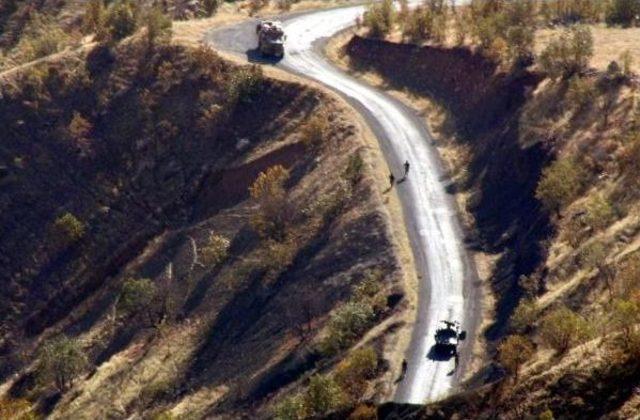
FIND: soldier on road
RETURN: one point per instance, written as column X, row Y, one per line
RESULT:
column 406, row 168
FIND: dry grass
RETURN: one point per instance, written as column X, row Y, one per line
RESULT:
column 609, row 43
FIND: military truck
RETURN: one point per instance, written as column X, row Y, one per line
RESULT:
column 447, row 336
column 271, row 38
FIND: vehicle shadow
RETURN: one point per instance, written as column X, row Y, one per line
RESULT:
column 439, row 354
column 255, row 56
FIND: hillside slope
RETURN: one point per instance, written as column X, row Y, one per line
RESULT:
column 546, row 168
column 129, row 169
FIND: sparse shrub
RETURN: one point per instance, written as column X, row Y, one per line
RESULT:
column 16, row 409
column 571, row 11
column 211, row 6
column 562, row 328
column 314, row 132
column 79, row 134
column 461, row 26
column 568, row 54
column 243, row 84
column 354, row 371
column 600, row 213
column 630, row 159
column 285, row 5
column 524, row 316
column 292, row 407
column 120, row 21
column 256, row 5
column 215, row 251
column 323, row 395
column 628, row 276
column 268, row 190
column 626, row 60
column 68, row 229
column 94, row 17
column 379, row 18
column 623, row 12
column 278, row 256
column 580, row 94
column 513, row 352
column 353, row 172
column 347, row 323
column 426, row 22
column 370, row 285
column 61, row 360
column 158, row 26
column 42, row 37
column 136, row 296
column 546, row 415
column 560, row 184
column 593, row 255
column 364, row 412
column 626, row 317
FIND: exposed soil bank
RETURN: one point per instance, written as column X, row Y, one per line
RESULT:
column 483, row 106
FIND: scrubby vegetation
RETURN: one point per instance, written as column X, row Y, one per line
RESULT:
column 545, row 147
column 191, row 198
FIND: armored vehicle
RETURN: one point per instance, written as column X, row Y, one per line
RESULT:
column 271, row 38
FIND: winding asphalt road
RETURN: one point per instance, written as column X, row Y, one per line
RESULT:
column 447, row 287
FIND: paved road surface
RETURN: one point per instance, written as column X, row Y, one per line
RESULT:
column 448, row 288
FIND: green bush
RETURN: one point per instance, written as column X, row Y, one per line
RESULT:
column 568, row 54
column 513, row 352
column 121, row 20
column 323, row 395
column 346, row 324
column 215, row 251
column 314, row 132
column 211, row 6
column 158, row 26
column 623, row 12
column 571, row 11
column 61, row 360
column 562, row 328
column 353, row 372
column 379, row 18
column 94, row 17
column 136, row 295
column 560, row 184
column 524, row 316
column 42, row 37
column 68, row 229
column 292, row 407
column 581, row 93
column 600, row 213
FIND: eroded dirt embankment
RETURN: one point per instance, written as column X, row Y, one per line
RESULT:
column 483, row 107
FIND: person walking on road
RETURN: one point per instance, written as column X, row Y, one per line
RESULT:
column 404, row 368
column 406, row 168
column 392, row 180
